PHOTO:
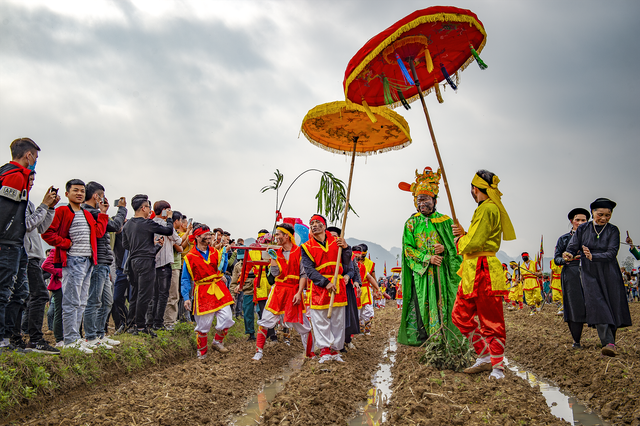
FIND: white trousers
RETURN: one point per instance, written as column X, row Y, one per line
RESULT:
column 366, row 313
column 328, row 333
column 269, row 320
column 224, row 319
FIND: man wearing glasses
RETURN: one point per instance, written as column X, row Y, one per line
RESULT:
column 138, row 238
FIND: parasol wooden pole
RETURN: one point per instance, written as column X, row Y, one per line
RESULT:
column 433, row 138
column 344, row 226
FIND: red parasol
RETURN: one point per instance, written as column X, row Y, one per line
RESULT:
column 411, row 57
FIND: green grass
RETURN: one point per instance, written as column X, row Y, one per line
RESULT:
column 32, row 376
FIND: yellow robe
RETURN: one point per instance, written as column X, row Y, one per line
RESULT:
column 515, row 294
column 482, row 239
column 556, row 287
column 530, row 283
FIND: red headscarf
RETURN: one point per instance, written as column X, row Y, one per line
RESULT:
column 199, row 231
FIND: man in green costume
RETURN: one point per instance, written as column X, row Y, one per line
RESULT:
column 429, row 265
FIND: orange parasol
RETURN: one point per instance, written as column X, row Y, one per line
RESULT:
column 353, row 130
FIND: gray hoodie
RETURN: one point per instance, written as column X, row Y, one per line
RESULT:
column 37, row 221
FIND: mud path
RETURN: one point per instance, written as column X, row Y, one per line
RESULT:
column 331, row 393
column 193, row 392
column 610, row 386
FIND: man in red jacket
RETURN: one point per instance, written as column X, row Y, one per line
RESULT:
column 14, row 198
column 74, row 232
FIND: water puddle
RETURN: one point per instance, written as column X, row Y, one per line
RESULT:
column 562, row 405
column 373, row 412
column 259, row 403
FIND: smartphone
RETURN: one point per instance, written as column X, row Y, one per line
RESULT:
column 55, row 191
column 190, row 220
column 164, row 212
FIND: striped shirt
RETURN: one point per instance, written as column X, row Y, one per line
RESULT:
column 80, row 235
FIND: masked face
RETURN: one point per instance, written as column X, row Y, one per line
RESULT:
column 426, row 204
column 32, row 157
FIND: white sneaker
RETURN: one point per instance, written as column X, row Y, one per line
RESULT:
column 78, row 345
column 325, row 358
column 257, row 356
column 351, row 345
column 96, row 343
column 337, row 357
column 497, row 373
column 482, row 364
column 110, row 342
column 60, row 344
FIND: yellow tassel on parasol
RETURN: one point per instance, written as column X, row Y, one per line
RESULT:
column 348, row 129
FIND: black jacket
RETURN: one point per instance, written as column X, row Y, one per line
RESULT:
column 14, row 198
column 105, row 254
column 138, row 238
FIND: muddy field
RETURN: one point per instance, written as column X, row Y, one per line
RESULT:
column 609, row 386
column 215, row 390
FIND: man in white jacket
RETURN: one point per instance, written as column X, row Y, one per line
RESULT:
column 38, row 219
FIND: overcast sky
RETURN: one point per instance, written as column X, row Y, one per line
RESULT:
column 198, row 102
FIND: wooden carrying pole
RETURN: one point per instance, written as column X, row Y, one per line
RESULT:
column 433, row 138
column 344, row 226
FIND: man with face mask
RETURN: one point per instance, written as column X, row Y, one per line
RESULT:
column 530, row 282
column 429, row 263
column 14, row 198
column 211, row 297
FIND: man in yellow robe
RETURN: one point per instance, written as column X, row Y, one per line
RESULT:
column 483, row 282
column 515, row 293
column 531, row 286
column 556, row 286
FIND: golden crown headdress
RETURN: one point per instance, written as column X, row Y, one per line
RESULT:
column 426, row 182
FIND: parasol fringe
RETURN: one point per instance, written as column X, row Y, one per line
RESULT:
column 480, row 62
column 405, row 72
column 448, row 77
column 358, row 154
column 438, row 17
column 429, row 61
column 403, row 101
column 387, row 91
column 438, row 94
column 368, row 112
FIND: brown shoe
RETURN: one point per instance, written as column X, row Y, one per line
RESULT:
column 609, row 350
column 219, row 347
column 479, row 367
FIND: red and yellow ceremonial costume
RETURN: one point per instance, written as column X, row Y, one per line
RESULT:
column 211, row 298
column 556, row 287
column 531, row 286
column 515, row 293
column 328, row 333
column 483, row 280
column 280, row 302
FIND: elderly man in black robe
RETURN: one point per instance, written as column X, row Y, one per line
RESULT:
column 604, row 294
column 575, row 314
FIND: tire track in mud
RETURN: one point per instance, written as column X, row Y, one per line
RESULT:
column 331, row 393
column 192, row 392
column 609, row 386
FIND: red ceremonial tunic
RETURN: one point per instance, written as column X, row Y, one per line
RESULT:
column 280, row 300
column 325, row 260
column 210, row 293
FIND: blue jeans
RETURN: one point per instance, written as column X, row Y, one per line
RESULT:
column 93, row 328
column 105, row 309
column 14, row 289
column 76, row 278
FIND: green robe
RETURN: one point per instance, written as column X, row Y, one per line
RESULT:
column 420, row 316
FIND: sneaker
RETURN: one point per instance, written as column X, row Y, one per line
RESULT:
column 337, row 357
column 560, row 313
column 576, row 345
column 169, row 327
column 120, row 330
column 325, row 358
column 78, row 345
column 351, row 345
column 219, row 347
column 258, row 355
column 609, row 350
column 97, row 343
column 497, row 373
column 533, row 312
column 60, row 344
column 287, row 342
column 482, row 364
column 43, row 347
column 20, row 344
column 109, row 342
column 148, row 331
column 201, row 356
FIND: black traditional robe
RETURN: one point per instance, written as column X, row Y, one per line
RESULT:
column 572, row 292
column 604, row 293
